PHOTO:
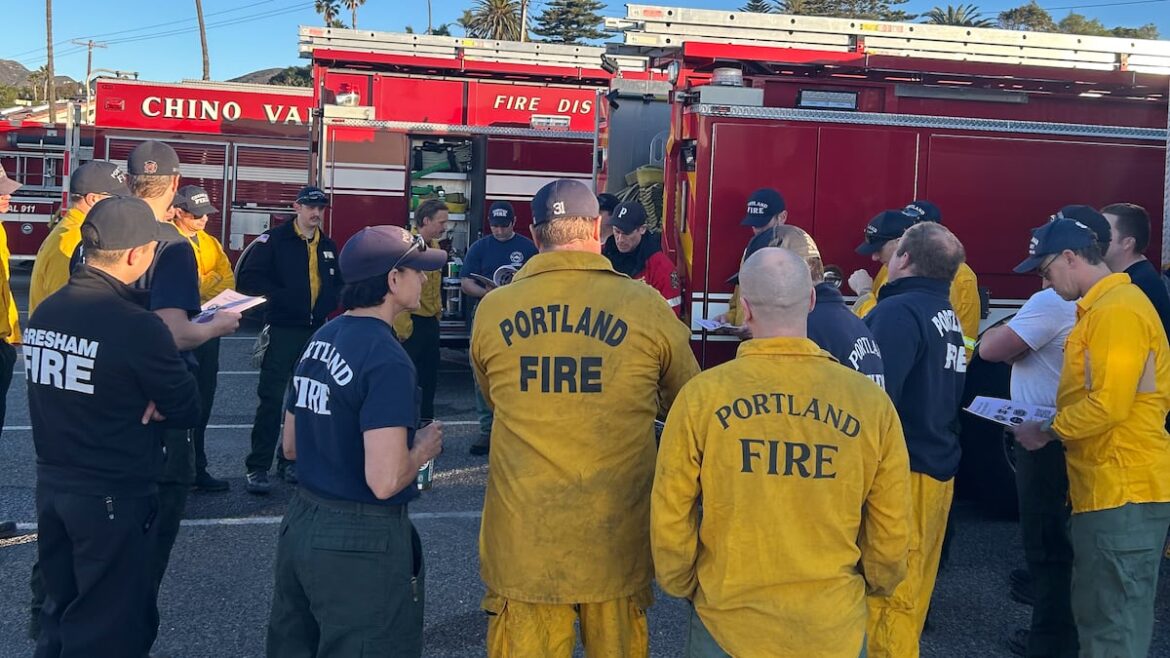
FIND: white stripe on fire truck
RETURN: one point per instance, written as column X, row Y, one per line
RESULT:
column 272, row 175
column 540, row 172
column 523, row 184
column 343, row 176
column 188, row 170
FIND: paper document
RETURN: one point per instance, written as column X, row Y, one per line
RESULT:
column 1009, row 413
column 711, row 325
column 228, row 300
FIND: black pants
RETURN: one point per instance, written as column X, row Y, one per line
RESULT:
column 206, row 376
column 100, row 600
column 423, row 348
column 285, row 345
column 7, row 361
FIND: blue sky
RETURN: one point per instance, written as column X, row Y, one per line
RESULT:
column 159, row 38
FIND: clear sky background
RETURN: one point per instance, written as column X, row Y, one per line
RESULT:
column 160, row 40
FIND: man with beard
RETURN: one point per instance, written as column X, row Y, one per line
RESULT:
column 639, row 256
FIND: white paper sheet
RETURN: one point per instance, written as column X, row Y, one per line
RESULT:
column 228, row 300
column 1008, row 412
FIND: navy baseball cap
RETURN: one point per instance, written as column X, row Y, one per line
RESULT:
column 153, row 158
column 99, row 177
column 1053, row 238
column 562, row 198
column 7, row 185
column 121, row 222
column 195, row 200
column 501, row 214
column 764, row 204
column 887, row 225
column 376, row 250
column 923, row 211
column 312, row 196
column 1088, row 216
column 607, row 202
column 628, row 216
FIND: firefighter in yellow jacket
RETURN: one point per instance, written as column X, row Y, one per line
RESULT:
column 804, row 479
column 879, row 242
column 419, row 329
column 565, row 535
column 1111, row 408
column 92, row 182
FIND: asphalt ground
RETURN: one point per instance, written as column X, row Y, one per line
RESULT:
column 216, row 596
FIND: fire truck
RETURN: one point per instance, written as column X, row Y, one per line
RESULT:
column 848, row 117
column 247, row 144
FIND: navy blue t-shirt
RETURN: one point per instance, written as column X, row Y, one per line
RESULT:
column 489, row 254
column 173, row 276
column 836, row 330
column 352, row 377
column 1144, row 275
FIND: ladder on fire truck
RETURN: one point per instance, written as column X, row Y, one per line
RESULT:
column 655, row 30
column 455, row 48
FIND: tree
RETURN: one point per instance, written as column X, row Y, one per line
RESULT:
column 881, row 10
column 758, row 7
column 1027, row 17
column 38, row 83
column 293, row 76
column 965, row 15
column 352, row 6
column 1147, row 31
column 8, row 96
column 329, row 9
column 493, row 19
column 571, row 21
column 796, row 7
column 203, row 40
column 443, row 30
column 1080, row 24
column 51, row 79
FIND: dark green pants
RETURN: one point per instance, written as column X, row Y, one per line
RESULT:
column 1115, row 576
column 423, row 348
column 349, row 582
column 206, row 377
column 284, row 351
column 1042, row 482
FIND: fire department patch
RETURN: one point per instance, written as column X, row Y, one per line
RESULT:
column 150, row 167
column 675, row 281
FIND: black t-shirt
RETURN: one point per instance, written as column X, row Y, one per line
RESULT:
column 1144, row 275
column 353, row 376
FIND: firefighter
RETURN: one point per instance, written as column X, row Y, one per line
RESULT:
column 92, row 182
column 565, row 531
column 964, row 289
column 349, row 563
column 1110, row 417
column 761, row 581
column 634, row 254
column 881, row 241
column 418, row 329
column 1033, row 342
column 607, row 202
column 98, row 446
column 765, row 210
column 1130, row 228
column 503, row 248
column 192, row 207
column 295, row 266
column 925, row 360
column 10, row 322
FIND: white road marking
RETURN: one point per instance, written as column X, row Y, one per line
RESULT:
column 248, row 426
column 264, row 520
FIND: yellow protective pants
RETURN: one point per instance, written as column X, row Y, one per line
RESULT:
column 895, row 621
column 610, row 629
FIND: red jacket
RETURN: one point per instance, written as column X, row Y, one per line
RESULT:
column 661, row 274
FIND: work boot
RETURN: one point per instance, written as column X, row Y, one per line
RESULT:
column 1021, row 587
column 288, row 472
column 205, row 483
column 257, row 483
column 482, row 445
column 7, row 529
column 1017, row 641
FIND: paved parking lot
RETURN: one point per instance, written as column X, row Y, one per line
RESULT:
column 215, row 600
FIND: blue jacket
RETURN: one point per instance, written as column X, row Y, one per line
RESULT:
column 835, row 329
column 925, row 362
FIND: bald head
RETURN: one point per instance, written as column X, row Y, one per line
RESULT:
column 776, row 288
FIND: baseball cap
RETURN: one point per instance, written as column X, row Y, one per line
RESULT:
column 607, row 202
column 1088, row 216
column 195, row 200
column 764, row 204
column 562, row 198
column 7, row 185
column 312, row 196
column 628, row 216
column 99, row 177
column 151, row 158
column 885, row 226
column 121, row 222
column 923, row 211
column 1053, row 238
column 501, row 214
column 792, row 238
column 376, row 250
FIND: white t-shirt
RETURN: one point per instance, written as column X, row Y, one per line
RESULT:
column 1043, row 322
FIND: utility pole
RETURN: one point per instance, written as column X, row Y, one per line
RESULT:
column 523, row 20
column 90, row 45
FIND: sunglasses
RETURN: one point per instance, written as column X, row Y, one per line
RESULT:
column 1044, row 268
column 417, row 244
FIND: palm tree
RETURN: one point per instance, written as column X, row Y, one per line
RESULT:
column 51, row 81
column 965, row 15
column 328, row 10
column 203, row 40
column 495, row 19
column 37, row 82
column 352, row 6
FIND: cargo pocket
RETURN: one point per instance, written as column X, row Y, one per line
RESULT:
column 353, row 567
column 494, row 606
column 1129, row 569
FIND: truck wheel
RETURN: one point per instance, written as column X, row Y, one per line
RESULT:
column 987, row 470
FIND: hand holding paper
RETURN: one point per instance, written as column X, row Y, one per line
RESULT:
column 228, row 300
